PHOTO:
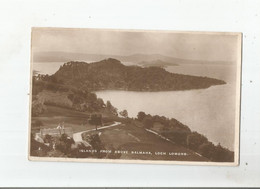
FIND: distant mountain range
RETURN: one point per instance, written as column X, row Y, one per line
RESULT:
column 112, row 74
column 135, row 58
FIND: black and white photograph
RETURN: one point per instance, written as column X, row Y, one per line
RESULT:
column 135, row 96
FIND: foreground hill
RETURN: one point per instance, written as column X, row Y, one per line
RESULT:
column 112, row 74
column 129, row 136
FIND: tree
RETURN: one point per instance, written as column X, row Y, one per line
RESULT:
column 92, row 97
column 109, row 105
column 124, row 113
column 222, row 154
column 48, row 138
column 194, row 140
column 111, row 108
column 96, row 144
column 96, row 119
column 65, row 144
column 101, row 103
column 207, row 150
column 37, row 148
column 141, row 116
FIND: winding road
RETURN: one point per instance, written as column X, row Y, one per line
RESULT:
column 78, row 138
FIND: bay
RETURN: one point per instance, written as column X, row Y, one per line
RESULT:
column 210, row 111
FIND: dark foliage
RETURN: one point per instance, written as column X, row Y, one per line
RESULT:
column 96, row 144
column 48, row 139
column 82, row 99
column 37, row 148
column 95, row 119
column 141, row 116
column 124, row 113
column 194, row 140
column 111, row 108
column 64, row 144
column 181, row 134
column 111, row 74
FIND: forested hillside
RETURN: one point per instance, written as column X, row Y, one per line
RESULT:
column 112, row 74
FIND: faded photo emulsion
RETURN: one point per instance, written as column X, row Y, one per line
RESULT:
column 135, row 96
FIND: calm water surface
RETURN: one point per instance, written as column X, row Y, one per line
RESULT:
column 208, row 111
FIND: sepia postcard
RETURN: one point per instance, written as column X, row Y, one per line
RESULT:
column 135, row 96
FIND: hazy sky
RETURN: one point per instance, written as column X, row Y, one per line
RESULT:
column 212, row 47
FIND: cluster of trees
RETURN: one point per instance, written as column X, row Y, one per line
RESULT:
column 181, row 134
column 65, row 147
column 111, row 108
column 95, row 76
column 37, row 148
column 82, row 99
column 64, row 144
column 200, row 144
column 86, row 101
column 40, row 83
column 124, row 113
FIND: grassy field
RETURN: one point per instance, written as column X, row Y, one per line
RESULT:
column 55, row 115
column 132, row 138
column 77, row 120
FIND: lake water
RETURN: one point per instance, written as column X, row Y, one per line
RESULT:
column 208, row 111
column 49, row 67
